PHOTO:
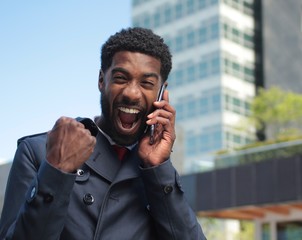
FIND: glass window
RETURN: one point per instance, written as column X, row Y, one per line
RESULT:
column 236, row 35
column 179, row 43
column 217, row 140
column 266, row 232
column 248, row 11
column 227, row 98
column 248, row 37
column 228, row 102
column 236, row 105
column 178, row 10
column 247, row 106
column 225, row 27
column 179, row 76
column 216, row 102
column 289, row 230
column 171, row 79
column 204, row 140
column 248, row 71
column 236, row 101
column 248, row 140
column 225, row 30
column 202, row 35
column 180, row 112
column 236, row 66
column 214, row 30
column 203, row 105
column 191, row 108
column 156, row 19
column 191, row 145
column 235, row 31
column 190, row 39
column 203, row 69
column 227, row 62
column 191, row 73
column 169, row 43
column 227, row 136
column 215, row 65
column 237, row 138
column 190, row 6
column 168, row 14
column 147, row 21
column 201, row 4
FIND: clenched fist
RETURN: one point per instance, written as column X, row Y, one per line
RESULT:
column 69, row 144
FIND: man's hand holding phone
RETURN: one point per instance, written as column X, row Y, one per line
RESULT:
column 159, row 98
column 156, row 146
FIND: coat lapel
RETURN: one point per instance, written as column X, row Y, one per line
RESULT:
column 104, row 161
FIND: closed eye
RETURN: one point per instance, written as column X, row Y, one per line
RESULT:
column 119, row 79
column 147, row 84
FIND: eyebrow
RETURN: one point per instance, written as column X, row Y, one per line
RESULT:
column 119, row 69
column 146, row 75
column 123, row 70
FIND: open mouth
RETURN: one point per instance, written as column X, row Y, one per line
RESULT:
column 128, row 118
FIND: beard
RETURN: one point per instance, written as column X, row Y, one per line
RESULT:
column 108, row 126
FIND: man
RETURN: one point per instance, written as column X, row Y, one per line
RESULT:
column 68, row 184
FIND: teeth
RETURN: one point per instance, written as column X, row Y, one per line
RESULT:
column 128, row 110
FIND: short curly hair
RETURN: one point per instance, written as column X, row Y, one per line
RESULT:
column 140, row 40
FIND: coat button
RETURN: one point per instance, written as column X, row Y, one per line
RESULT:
column 88, row 199
column 168, row 189
column 80, row 172
column 33, row 192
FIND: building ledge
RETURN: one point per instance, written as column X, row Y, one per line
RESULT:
column 247, row 191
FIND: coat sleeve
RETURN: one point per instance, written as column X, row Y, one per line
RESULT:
column 37, row 195
column 174, row 218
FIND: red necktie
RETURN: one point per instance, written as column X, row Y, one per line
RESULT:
column 121, row 151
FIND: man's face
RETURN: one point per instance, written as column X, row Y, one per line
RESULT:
column 128, row 89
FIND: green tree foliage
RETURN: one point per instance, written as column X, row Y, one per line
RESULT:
column 280, row 112
column 247, row 231
column 213, row 228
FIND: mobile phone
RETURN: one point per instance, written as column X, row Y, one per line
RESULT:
column 159, row 98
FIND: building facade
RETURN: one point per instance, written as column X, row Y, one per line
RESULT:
column 213, row 77
column 223, row 51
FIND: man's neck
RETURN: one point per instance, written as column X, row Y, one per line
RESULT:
column 99, row 121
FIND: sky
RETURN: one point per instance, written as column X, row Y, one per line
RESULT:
column 49, row 62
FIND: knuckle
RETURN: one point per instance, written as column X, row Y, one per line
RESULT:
column 170, row 115
column 62, row 119
column 173, row 110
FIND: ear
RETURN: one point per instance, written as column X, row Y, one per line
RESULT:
column 101, row 80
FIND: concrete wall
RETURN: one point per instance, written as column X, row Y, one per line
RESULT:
column 4, row 171
column 282, row 43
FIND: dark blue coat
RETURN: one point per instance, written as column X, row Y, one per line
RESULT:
column 106, row 199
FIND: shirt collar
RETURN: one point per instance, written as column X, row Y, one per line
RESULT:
column 129, row 147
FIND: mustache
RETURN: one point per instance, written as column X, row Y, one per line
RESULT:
column 130, row 103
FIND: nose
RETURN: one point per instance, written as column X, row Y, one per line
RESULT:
column 132, row 91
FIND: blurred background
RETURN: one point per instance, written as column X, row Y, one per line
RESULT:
column 236, row 84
